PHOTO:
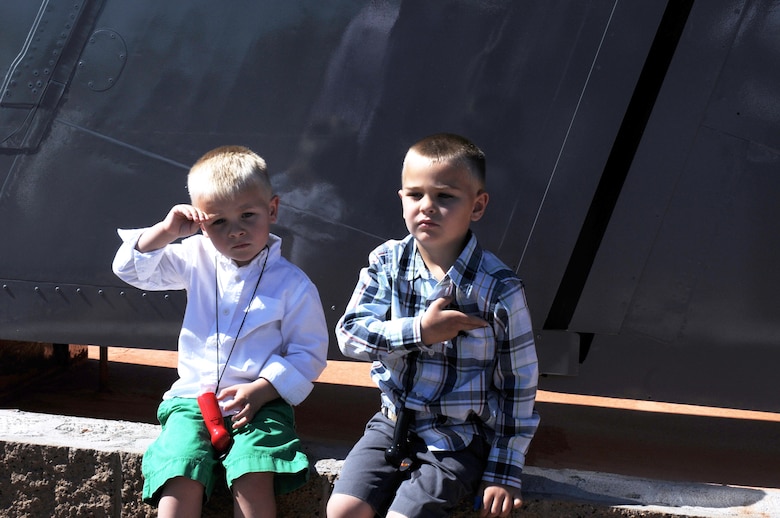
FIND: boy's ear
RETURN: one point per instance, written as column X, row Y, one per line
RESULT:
column 273, row 208
column 480, row 204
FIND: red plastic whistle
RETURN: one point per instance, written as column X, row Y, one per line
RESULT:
column 212, row 416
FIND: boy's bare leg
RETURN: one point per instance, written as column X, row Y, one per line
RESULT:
column 346, row 506
column 254, row 497
column 181, row 497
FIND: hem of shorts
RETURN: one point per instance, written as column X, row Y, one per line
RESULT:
column 289, row 475
column 154, row 482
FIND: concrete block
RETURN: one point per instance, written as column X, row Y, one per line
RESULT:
column 64, row 466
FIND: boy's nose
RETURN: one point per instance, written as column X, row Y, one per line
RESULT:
column 426, row 205
column 236, row 230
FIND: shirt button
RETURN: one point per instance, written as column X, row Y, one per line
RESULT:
column 225, row 311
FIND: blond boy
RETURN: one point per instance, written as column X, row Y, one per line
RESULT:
column 254, row 332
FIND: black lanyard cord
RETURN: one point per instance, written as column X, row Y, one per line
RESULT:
column 246, row 312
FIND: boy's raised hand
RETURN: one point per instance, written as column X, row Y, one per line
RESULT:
column 182, row 221
column 440, row 324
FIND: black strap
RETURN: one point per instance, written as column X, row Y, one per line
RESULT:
column 398, row 454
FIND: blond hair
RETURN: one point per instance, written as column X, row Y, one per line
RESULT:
column 226, row 171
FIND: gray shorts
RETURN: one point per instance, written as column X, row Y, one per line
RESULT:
column 438, row 481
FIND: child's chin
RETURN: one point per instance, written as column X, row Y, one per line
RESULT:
column 424, row 236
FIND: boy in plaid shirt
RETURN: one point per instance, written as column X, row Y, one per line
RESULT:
column 447, row 328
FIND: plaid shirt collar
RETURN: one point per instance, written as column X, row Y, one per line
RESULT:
column 462, row 273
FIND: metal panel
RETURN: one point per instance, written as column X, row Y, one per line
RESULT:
column 333, row 127
column 641, row 224
column 591, row 126
column 685, row 244
column 36, row 79
column 62, row 313
column 686, row 274
column 746, row 101
column 659, row 177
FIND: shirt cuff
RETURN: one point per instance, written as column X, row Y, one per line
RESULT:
column 291, row 385
column 144, row 264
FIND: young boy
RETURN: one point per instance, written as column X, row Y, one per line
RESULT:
column 447, row 328
column 254, row 333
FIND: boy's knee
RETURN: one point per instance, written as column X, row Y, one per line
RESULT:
column 253, row 494
column 253, row 483
column 346, row 506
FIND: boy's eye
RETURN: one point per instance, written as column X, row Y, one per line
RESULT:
column 414, row 195
column 217, row 221
column 445, row 195
column 247, row 215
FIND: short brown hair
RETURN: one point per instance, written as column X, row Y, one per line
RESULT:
column 452, row 148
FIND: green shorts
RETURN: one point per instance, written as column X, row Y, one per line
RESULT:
column 183, row 448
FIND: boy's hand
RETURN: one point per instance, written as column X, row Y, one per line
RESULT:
column 181, row 221
column 248, row 398
column 440, row 324
column 498, row 500
column 184, row 220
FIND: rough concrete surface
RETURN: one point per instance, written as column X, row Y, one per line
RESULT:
column 67, row 466
column 72, row 443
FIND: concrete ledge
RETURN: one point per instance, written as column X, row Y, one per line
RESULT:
column 70, row 466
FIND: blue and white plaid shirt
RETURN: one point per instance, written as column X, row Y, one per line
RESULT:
column 479, row 383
